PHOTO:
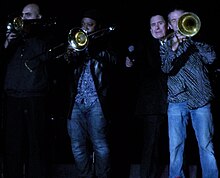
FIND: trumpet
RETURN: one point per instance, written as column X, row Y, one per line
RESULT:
column 78, row 38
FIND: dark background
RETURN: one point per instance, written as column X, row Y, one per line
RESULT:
column 131, row 18
column 128, row 15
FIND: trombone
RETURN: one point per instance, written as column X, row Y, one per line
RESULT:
column 16, row 25
column 78, row 38
column 188, row 25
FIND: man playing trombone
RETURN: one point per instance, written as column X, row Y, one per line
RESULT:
column 25, row 89
column 91, row 65
column 189, row 94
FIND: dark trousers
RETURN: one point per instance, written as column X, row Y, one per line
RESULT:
column 24, row 133
column 150, row 160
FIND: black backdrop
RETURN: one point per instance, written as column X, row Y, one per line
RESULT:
column 131, row 15
column 132, row 18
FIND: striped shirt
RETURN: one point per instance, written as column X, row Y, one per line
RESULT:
column 188, row 78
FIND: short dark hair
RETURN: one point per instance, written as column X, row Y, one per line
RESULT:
column 93, row 14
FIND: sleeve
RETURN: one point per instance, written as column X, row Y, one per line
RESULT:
column 167, row 57
column 173, row 61
column 207, row 52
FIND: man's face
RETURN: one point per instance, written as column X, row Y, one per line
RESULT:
column 173, row 18
column 88, row 24
column 30, row 12
column 158, row 27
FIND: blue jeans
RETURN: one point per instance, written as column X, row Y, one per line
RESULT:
column 202, row 123
column 89, row 124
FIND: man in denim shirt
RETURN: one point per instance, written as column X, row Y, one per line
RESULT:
column 189, row 96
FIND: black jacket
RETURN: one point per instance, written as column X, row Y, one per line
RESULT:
column 103, row 66
column 151, row 82
column 25, row 67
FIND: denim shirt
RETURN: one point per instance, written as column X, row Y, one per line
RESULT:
column 86, row 94
column 187, row 71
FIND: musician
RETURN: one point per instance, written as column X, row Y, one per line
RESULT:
column 25, row 89
column 189, row 96
column 151, row 105
column 88, row 121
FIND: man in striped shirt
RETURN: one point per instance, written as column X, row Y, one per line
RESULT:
column 189, row 95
